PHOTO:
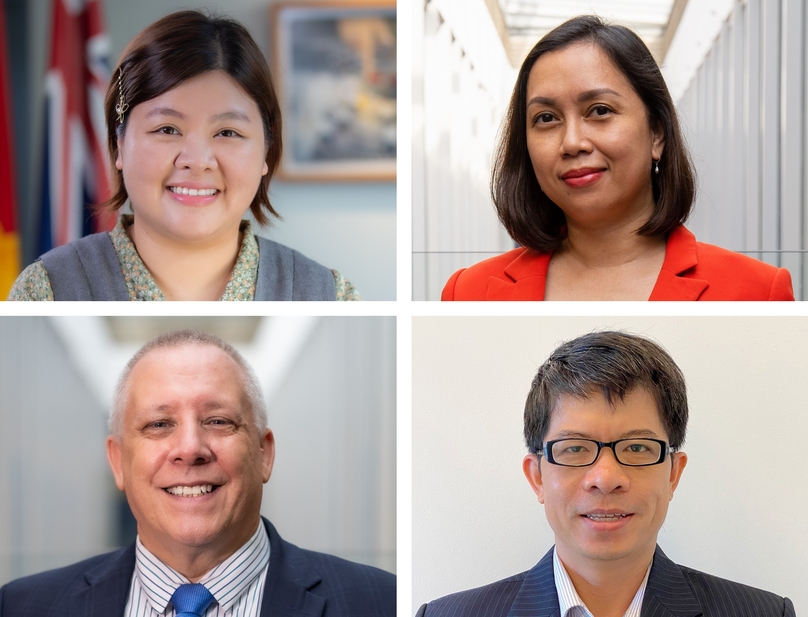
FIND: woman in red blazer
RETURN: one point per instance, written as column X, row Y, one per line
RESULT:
column 592, row 178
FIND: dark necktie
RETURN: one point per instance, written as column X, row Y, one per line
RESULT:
column 191, row 600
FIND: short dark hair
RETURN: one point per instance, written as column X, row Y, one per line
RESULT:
column 611, row 363
column 529, row 216
column 176, row 48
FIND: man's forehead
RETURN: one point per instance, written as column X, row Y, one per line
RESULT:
column 637, row 404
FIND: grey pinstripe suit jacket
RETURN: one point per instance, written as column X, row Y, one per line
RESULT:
column 672, row 591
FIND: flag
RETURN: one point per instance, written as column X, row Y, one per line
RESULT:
column 9, row 237
column 75, row 170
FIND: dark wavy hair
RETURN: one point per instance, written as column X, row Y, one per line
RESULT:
column 612, row 364
column 176, row 48
column 533, row 219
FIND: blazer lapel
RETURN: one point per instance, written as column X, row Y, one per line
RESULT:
column 107, row 587
column 667, row 593
column 290, row 576
column 673, row 282
column 526, row 278
column 537, row 596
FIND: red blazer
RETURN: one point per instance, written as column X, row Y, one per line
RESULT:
column 691, row 271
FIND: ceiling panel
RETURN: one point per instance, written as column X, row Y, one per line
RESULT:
column 526, row 21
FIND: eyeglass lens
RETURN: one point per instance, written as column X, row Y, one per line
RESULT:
column 626, row 451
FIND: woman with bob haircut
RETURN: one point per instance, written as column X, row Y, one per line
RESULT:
column 592, row 178
column 194, row 133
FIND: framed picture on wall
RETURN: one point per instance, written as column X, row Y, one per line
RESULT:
column 334, row 64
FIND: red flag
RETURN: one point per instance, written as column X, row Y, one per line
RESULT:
column 9, row 237
column 76, row 172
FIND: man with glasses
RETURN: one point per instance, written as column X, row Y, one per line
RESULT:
column 604, row 423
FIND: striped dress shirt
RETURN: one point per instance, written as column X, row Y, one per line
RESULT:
column 570, row 602
column 237, row 584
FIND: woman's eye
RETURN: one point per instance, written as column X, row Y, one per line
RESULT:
column 544, row 118
column 167, row 130
column 600, row 110
column 229, row 133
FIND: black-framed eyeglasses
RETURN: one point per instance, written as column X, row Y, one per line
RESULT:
column 584, row 452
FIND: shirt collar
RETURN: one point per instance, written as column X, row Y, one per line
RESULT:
column 226, row 582
column 141, row 284
column 570, row 602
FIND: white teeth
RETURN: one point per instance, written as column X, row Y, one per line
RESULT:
column 190, row 491
column 181, row 190
column 606, row 517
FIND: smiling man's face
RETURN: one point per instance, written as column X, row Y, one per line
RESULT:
column 190, row 458
column 606, row 511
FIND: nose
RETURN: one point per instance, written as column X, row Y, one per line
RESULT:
column 606, row 474
column 196, row 154
column 575, row 140
column 190, row 445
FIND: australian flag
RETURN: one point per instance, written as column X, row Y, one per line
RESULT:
column 75, row 170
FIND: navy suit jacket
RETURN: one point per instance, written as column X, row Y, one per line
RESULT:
column 672, row 591
column 298, row 583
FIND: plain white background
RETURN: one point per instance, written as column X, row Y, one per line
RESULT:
column 737, row 512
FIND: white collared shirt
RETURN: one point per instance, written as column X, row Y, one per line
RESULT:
column 237, row 584
column 570, row 602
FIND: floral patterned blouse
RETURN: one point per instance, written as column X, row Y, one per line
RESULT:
column 34, row 284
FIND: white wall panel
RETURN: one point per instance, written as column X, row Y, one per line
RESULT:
column 465, row 81
column 745, row 117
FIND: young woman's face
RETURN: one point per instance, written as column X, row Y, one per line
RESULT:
column 192, row 160
column 589, row 137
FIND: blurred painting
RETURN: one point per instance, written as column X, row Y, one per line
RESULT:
column 335, row 66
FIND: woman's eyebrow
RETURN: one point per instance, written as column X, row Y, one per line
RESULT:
column 233, row 114
column 595, row 93
column 588, row 95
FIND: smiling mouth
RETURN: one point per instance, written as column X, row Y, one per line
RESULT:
column 191, row 491
column 605, row 517
column 181, row 190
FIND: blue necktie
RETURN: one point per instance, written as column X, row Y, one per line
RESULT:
column 191, row 600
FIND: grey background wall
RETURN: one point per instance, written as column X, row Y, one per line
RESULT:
column 330, row 388
column 737, row 512
column 744, row 115
column 347, row 226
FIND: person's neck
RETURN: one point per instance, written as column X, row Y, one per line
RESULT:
column 607, row 587
column 185, row 271
column 193, row 562
column 609, row 245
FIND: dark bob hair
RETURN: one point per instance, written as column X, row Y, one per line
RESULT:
column 613, row 364
column 176, row 48
column 529, row 216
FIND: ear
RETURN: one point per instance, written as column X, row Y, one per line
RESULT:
column 267, row 454
column 118, row 158
column 531, row 467
column 114, row 458
column 658, row 141
column 679, row 462
column 265, row 169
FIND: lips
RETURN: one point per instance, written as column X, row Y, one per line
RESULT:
column 605, row 520
column 583, row 176
column 191, row 490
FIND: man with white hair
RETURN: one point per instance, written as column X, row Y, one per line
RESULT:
column 190, row 447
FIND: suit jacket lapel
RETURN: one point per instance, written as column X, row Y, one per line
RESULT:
column 667, row 593
column 680, row 257
column 290, row 576
column 527, row 278
column 537, row 596
column 107, row 587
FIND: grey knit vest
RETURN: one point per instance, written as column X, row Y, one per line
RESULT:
column 88, row 269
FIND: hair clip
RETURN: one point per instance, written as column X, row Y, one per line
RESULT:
column 122, row 105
